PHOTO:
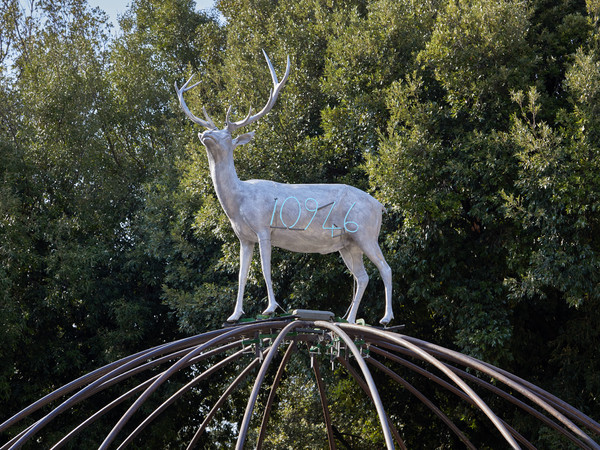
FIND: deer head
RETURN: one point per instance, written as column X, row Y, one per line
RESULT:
column 218, row 140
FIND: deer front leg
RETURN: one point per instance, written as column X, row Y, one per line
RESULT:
column 264, row 245
column 246, row 250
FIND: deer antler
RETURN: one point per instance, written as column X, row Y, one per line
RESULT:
column 208, row 123
column 273, row 94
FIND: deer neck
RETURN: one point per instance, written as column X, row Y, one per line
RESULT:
column 227, row 185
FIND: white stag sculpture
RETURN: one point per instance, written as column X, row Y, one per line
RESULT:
column 306, row 218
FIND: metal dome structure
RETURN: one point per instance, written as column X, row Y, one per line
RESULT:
column 358, row 349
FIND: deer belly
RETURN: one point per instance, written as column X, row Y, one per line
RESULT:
column 303, row 242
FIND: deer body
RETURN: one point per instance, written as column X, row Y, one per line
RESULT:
column 306, row 218
column 257, row 211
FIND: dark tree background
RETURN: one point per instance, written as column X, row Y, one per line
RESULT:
column 476, row 123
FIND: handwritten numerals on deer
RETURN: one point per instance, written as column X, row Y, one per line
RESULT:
column 311, row 205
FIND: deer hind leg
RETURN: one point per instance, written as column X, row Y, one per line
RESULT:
column 353, row 258
column 374, row 253
column 246, row 250
column 265, row 260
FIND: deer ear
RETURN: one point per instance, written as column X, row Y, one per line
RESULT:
column 243, row 139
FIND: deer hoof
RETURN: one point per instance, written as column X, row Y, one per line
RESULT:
column 386, row 319
column 270, row 310
column 235, row 316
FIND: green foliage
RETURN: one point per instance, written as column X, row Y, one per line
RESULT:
column 478, row 52
column 78, row 288
column 476, row 123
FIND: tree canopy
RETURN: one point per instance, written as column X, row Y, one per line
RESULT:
column 476, row 123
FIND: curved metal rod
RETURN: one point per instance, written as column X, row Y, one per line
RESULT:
column 550, row 398
column 136, row 389
column 515, row 401
column 107, row 372
column 369, row 379
column 493, row 372
column 119, row 377
column 174, row 368
column 15, row 438
column 94, row 375
column 88, row 394
column 365, row 387
column 178, row 394
column 324, row 405
column 438, row 412
column 459, row 393
column 479, row 381
column 163, row 359
column 259, row 379
column 114, row 372
column 263, row 428
column 535, row 413
column 75, row 431
column 66, row 389
column 455, row 378
column 531, row 396
column 243, row 374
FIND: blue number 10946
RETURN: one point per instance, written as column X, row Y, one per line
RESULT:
column 312, row 207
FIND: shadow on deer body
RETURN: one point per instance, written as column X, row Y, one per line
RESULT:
column 305, row 218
